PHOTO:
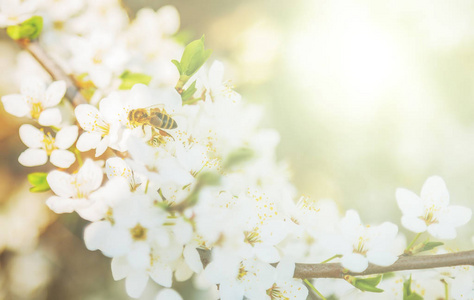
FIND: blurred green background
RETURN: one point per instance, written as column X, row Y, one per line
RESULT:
column 367, row 96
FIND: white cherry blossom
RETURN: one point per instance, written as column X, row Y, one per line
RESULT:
column 41, row 146
column 431, row 210
column 102, row 128
column 361, row 244
column 285, row 286
column 238, row 278
column 37, row 101
column 72, row 191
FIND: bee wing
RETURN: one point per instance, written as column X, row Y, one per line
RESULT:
column 156, row 121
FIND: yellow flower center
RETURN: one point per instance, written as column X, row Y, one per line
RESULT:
column 252, row 237
column 36, row 109
column 275, row 293
column 138, row 233
column 48, row 142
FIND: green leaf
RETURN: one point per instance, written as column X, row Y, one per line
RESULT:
column 365, row 287
column 371, row 280
column 208, row 178
column 178, row 66
column 194, row 56
column 368, row 284
column 189, row 92
column 29, row 29
column 431, row 245
column 424, row 246
column 39, row 182
column 413, row 296
column 129, row 79
column 407, row 293
column 238, row 157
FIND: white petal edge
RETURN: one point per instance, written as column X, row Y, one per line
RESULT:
column 50, row 117
column 168, row 294
column 66, row 137
column 136, row 283
column 355, row 262
column 15, row 105
column 33, row 157
column 62, row 158
column 88, row 141
column 31, row 136
column 55, row 93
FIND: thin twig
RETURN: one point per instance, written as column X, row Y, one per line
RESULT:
column 335, row 270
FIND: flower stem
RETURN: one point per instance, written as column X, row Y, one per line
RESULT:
column 78, row 157
column 446, row 289
column 412, row 242
column 146, row 186
column 314, row 289
column 331, row 258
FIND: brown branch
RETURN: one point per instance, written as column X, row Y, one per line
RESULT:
column 335, row 270
column 56, row 72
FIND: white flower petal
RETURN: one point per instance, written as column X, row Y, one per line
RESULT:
column 15, row 105
column 60, row 183
column 285, row 269
column 171, row 170
column 94, row 234
column 455, row 215
column 66, row 137
column 116, row 243
column 355, row 262
column 139, row 255
column 61, row 205
column 445, row 232
column 50, row 117
column 231, row 291
column 120, row 268
column 88, row 141
column 183, row 231
column 90, row 176
column 31, row 136
column 54, row 93
column 267, row 253
column 62, row 158
column 33, row 157
column 274, row 232
column 409, row 203
column 182, row 271
column 87, row 116
column 434, row 189
column 33, row 87
column 381, row 258
column 111, row 109
column 414, row 224
column 162, row 275
column 168, row 294
column 135, row 283
column 192, row 258
column 102, row 146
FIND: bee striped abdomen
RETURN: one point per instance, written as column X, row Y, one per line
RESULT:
column 168, row 122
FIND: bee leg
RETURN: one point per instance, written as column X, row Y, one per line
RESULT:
column 164, row 133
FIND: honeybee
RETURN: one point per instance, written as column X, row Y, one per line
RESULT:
column 153, row 116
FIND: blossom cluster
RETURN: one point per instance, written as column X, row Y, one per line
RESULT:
column 166, row 180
